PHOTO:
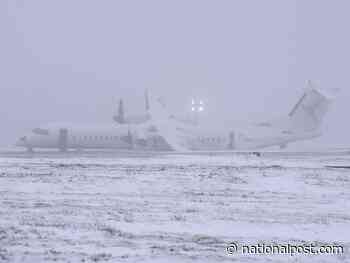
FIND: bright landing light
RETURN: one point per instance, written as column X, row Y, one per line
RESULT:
column 197, row 106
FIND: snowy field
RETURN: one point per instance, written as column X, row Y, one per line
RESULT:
column 170, row 208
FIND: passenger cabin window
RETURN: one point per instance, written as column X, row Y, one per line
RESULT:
column 40, row 131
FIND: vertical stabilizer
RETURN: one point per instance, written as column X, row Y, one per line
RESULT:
column 308, row 113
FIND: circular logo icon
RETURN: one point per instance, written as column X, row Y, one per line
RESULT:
column 232, row 248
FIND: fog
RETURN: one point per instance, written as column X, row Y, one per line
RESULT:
column 71, row 60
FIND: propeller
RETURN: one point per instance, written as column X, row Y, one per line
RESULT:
column 120, row 117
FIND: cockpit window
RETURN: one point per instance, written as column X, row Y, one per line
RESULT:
column 40, row 131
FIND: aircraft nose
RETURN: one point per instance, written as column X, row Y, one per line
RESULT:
column 22, row 141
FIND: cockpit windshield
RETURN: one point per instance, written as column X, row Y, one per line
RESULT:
column 41, row 131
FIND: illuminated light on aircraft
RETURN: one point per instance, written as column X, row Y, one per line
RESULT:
column 197, row 106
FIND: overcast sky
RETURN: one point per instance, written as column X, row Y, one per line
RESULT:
column 70, row 60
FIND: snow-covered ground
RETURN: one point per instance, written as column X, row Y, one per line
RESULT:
column 170, row 208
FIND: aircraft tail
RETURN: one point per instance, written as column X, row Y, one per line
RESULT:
column 309, row 112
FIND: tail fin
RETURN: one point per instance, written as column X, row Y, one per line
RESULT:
column 310, row 110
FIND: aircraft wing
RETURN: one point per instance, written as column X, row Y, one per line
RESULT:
column 166, row 126
column 168, row 131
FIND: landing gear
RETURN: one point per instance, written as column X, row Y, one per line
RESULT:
column 257, row 154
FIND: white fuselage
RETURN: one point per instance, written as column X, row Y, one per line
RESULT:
column 77, row 137
column 140, row 137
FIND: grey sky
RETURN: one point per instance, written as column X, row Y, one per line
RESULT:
column 70, row 60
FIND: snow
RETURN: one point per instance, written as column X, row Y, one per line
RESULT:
column 170, row 208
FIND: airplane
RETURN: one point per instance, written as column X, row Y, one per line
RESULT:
column 163, row 132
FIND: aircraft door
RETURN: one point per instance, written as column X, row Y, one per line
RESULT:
column 130, row 139
column 232, row 141
column 63, row 140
